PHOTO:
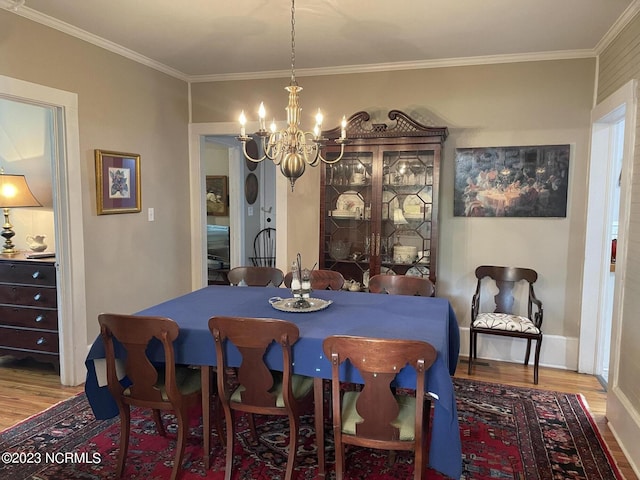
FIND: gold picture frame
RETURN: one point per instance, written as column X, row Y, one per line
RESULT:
column 117, row 182
column 217, row 195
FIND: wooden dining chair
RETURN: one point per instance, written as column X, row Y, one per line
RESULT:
column 402, row 285
column 257, row 389
column 320, row 280
column 264, row 248
column 375, row 417
column 503, row 320
column 170, row 387
column 256, row 276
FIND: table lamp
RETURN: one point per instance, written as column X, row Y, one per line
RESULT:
column 14, row 192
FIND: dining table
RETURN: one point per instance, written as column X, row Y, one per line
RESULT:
column 340, row 313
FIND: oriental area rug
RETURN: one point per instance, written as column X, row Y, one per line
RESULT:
column 507, row 433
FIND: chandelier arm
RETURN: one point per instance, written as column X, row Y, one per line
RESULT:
column 274, row 154
column 248, row 157
column 335, row 160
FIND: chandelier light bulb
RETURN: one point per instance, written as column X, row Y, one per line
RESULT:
column 261, row 114
column 243, row 120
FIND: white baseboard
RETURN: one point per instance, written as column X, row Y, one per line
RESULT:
column 557, row 351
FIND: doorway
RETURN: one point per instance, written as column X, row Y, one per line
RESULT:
column 612, row 133
column 68, row 226
column 245, row 219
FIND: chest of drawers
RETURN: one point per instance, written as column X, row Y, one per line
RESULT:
column 28, row 309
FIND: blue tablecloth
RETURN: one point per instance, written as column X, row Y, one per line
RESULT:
column 373, row 315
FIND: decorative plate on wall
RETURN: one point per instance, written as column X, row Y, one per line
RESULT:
column 251, row 188
column 252, row 150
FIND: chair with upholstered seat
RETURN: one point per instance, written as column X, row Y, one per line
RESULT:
column 260, row 390
column 502, row 320
column 320, row 280
column 256, row 276
column 375, row 417
column 169, row 387
column 402, row 285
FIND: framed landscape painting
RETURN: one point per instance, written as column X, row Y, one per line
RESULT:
column 117, row 182
column 529, row 181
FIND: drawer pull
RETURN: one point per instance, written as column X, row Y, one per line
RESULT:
column 36, row 274
column 39, row 319
column 41, row 341
column 37, row 297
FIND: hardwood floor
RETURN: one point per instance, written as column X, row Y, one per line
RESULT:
column 28, row 387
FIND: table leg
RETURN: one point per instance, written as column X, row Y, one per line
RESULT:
column 205, row 383
column 318, row 400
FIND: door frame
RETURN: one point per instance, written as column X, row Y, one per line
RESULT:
column 597, row 257
column 67, row 207
column 236, row 196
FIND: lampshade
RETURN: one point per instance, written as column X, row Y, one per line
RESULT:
column 15, row 192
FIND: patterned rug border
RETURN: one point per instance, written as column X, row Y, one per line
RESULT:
column 605, row 448
column 581, row 400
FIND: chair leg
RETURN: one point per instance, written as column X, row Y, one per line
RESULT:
column 219, row 414
column 526, row 357
column 475, row 345
column 183, row 426
column 157, row 418
column 228, row 413
column 125, row 419
column 252, row 427
column 339, row 452
column 536, row 360
column 293, row 445
column 471, row 344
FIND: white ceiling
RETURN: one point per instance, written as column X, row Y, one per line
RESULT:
column 208, row 39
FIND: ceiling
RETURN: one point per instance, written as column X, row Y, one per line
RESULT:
column 200, row 40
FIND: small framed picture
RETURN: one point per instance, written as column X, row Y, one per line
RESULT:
column 217, row 195
column 117, row 182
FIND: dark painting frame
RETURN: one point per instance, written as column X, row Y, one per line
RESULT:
column 518, row 181
column 117, row 182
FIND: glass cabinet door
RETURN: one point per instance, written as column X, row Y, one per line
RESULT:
column 347, row 215
column 407, row 212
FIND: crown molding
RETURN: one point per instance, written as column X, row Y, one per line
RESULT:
column 64, row 27
column 395, row 66
column 622, row 21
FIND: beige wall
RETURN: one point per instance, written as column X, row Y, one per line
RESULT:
column 123, row 106
column 511, row 104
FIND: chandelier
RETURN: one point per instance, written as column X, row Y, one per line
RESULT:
column 291, row 148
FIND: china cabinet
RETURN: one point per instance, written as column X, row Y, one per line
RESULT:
column 379, row 203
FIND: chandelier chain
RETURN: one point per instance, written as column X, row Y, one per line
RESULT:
column 293, row 42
